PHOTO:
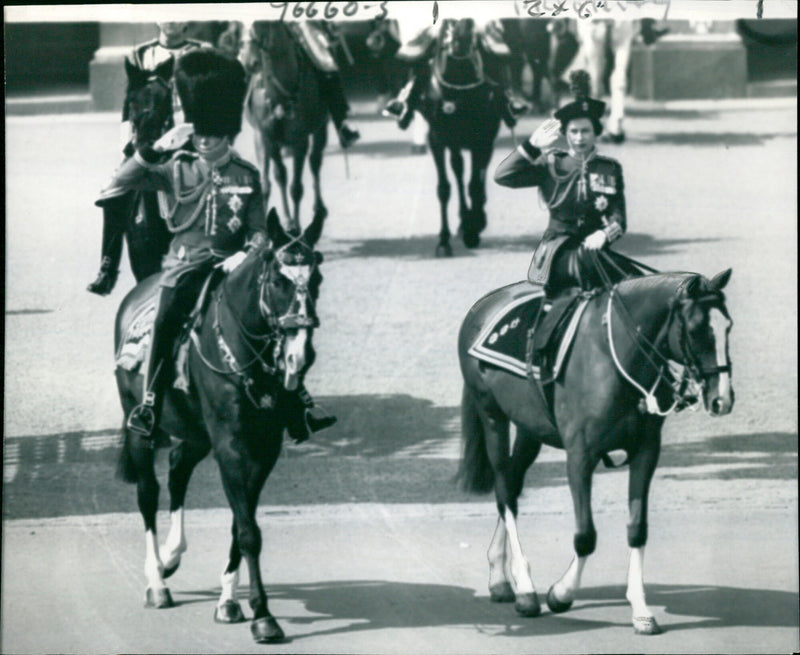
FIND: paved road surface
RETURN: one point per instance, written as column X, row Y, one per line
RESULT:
column 368, row 548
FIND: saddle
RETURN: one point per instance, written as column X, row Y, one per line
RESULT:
column 522, row 334
column 136, row 336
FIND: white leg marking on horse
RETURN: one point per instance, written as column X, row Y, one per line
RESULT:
column 520, row 569
column 153, row 568
column 230, row 584
column 497, row 555
column 635, row 593
column 570, row 582
column 175, row 545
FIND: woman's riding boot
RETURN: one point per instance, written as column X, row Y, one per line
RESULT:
column 144, row 417
column 336, row 102
column 114, row 213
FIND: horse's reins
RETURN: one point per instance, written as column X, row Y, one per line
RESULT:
column 274, row 335
column 650, row 349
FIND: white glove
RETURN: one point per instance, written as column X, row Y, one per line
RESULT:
column 174, row 138
column 233, row 261
column 546, row 134
column 595, row 240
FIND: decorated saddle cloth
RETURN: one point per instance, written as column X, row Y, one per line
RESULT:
column 137, row 335
column 505, row 338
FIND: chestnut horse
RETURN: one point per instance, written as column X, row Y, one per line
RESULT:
column 613, row 393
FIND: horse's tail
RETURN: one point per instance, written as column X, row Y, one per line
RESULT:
column 475, row 472
column 126, row 467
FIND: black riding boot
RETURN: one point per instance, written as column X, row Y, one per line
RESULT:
column 144, row 417
column 300, row 422
column 336, row 102
column 114, row 213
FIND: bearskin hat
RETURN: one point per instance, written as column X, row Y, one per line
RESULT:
column 583, row 106
column 212, row 88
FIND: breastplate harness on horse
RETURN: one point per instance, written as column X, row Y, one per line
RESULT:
column 683, row 380
column 270, row 343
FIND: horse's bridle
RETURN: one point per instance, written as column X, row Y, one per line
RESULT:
column 690, row 359
column 273, row 339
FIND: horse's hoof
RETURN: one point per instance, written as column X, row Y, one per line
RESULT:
column 502, row 593
column 646, row 625
column 556, row 606
column 158, row 599
column 471, row 239
column 444, row 250
column 229, row 612
column 528, row 605
column 266, row 630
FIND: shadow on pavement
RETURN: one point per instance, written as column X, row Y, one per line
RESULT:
column 634, row 244
column 378, row 605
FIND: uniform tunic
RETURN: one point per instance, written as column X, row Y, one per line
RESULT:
column 215, row 210
column 583, row 196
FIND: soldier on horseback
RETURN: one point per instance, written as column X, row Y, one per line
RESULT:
column 171, row 43
column 418, row 52
column 217, row 214
column 315, row 39
column 585, row 194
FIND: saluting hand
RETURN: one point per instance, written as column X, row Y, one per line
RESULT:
column 174, row 138
column 546, row 134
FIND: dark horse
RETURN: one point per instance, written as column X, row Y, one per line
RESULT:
column 613, row 393
column 149, row 107
column 463, row 109
column 253, row 344
column 284, row 107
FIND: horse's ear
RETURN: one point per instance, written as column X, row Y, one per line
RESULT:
column 719, row 281
column 164, row 69
column 275, row 230
column 314, row 231
column 693, row 286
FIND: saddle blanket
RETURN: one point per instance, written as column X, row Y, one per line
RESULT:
column 504, row 339
column 135, row 344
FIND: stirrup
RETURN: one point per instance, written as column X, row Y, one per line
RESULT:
column 142, row 419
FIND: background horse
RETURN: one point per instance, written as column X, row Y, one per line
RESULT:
column 284, row 107
column 253, row 344
column 149, row 108
column 463, row 110
column 625, row 339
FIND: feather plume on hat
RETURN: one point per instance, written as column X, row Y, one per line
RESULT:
column 583, row 106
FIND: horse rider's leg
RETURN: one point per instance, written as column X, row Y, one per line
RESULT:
column 297, row 189
column 281, row 177
column 442, row 192
column 262, row 156
column 115, row 213
column 244, row 471
column 319, row 140
column 228, row 609
column 182, row 460
column 580, row 466
column 642, row 466
column 332, row 92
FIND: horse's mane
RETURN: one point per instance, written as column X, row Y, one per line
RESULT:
column 669, row 283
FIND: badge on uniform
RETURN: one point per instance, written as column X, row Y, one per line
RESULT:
column 600, row 183
column 600, row 203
